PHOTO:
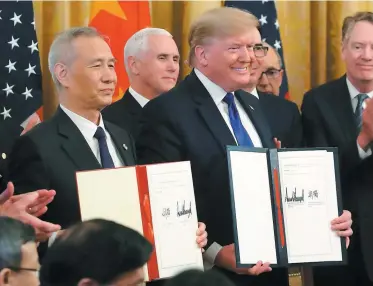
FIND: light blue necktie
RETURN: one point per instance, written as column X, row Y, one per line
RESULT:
column 242, row 137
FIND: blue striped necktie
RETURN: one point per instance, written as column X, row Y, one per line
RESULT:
column 242, row 137
column 359, row 109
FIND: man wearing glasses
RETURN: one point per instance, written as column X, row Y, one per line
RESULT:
column 265, row 80
column 18, row 253
column 271, row 78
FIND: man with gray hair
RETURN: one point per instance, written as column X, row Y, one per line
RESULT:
column 75, row 138
column 151, row 58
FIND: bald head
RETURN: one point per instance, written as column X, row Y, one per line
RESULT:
column 271, row 80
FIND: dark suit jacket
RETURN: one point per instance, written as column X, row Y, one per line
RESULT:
column 49, row 155
column 8, row 134
column 185, row 124
column 284, row 119
column 328, row 120
column 125, row 113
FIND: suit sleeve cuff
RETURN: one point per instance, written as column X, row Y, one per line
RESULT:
column 210, row 254
column 363, row 154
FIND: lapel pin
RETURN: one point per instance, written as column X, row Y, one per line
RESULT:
column 125, row 147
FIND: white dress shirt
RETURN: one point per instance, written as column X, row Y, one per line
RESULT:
column 88, row 130
column 354, row 100
column 255, row 93
column 138, row 97
column 218, row 94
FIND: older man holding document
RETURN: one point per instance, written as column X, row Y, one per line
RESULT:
column 203, row 114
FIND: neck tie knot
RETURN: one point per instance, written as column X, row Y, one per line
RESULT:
column 100, row 133
column 229, row 99
column 361, row 98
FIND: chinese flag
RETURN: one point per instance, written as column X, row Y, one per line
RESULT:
column 119, row 20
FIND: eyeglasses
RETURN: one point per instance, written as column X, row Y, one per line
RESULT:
column 260, row 51
column 271, row 73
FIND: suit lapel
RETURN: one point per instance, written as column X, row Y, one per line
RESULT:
column 208, row 111
column 131, row 104
column 340, row 101
column 252, row 107
column 74, row 144
column 122, row 143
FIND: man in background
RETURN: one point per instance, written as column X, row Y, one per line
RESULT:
column 282, row 115
column 272, row 72
column 151, row 58
column 333, row 116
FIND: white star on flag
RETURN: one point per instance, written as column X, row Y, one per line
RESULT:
column 8, row 89
column 0, row 16
column 11, row 66
column 30, row 69
column 14, row 42
column 277, row 45
column 16, row 19
column 27, row 93
column 263, row 20
column 276, row 24
column 6, row 113
column 33, row 47
column 264, row 40
column 33, row 23
column 264, row 1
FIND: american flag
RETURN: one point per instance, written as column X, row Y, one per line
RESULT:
column 20, row 73
column 265, row 11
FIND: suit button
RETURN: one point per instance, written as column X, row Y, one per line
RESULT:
column 3, row 155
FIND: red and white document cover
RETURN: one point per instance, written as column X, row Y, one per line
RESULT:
column 157, row 201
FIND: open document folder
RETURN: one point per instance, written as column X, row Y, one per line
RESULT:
column 157, row 201
column 283, row 202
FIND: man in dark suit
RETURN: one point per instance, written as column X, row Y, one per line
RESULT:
column 151, row 58
column 193, row 122
column 333, row 116
column 282, row 115
column 75, row 138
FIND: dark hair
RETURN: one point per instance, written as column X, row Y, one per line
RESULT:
column 97, row 249
column 350, row 21
column 199, row 278
column 13, row 234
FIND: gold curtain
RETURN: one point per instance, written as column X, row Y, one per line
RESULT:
column 311, row 37
column 310, row 32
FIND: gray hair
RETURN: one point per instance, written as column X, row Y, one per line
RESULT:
column 138, row 42
column 13, row 235
column 61, row 50
column 276, row 52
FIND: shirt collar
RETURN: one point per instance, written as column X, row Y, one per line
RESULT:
column 353, row 90
column 216, row 92
column 139, row 98
column 86, row 127
column 254, row 92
